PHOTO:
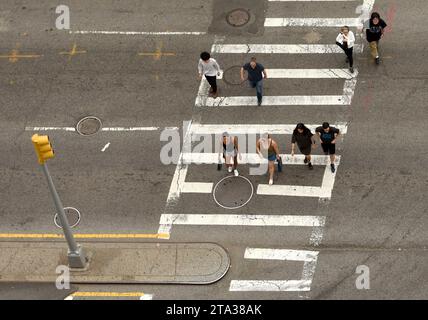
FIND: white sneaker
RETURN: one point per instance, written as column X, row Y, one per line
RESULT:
column 270, row 181
column 229, row 169
column 236, row 172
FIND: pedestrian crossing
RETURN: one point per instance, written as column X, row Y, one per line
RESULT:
column 187, row 159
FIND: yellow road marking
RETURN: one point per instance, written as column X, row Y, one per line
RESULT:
column 86, row 236
column 157, row 55
column 72, row 52
column 14, row 56
column 107, row 294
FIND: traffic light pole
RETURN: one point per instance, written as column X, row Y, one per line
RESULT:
column 76, row 255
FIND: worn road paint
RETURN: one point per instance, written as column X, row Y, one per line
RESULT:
column 281, row 48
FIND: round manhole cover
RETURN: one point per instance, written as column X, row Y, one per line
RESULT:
column 232, row 76
column 73, row 217
column 88, row 126
column 233, row 192
column 238, row 17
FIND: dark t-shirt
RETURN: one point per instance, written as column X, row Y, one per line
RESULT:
column 254, row 74
column 303, row 140
column 374, row 32
column 327, row 137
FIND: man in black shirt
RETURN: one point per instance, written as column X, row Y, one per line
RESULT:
column 256, row 73
column 374, row 30
column 328, row 136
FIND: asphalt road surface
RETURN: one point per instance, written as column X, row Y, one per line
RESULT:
column 302, row 238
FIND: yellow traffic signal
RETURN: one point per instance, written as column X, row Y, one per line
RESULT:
column 43, row 147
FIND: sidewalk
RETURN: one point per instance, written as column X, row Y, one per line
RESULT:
column 150, row 262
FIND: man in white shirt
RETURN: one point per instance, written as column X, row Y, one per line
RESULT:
column 346, row 40
column 209, row 68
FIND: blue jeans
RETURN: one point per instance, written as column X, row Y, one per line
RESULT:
column 259, row 88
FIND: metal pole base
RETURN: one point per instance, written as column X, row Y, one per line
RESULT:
column 77, row 259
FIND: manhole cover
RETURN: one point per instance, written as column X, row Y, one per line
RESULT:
column 73, row 217
column 233, row 192
column 232, row 76
column 238, row 17
column 88, row 126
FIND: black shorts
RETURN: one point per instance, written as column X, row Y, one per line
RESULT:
column 328, row 148
column 306, row 151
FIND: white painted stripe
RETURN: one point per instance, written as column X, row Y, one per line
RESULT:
column 102, row 129
column 310, row 74
column 270, row 285
column 199, row 129
column 289, row 190
column 146, row 297
column 308, row 257
column 50, row 129
column 70, row 297
column 280, row 48
column 242, row 220
column 138, row 33
column 313, row 22
column 328, row 182
column 105, row 147
column 316, row 236
column 280, row 254
column 130, row 129
column 253, row 158
column 312, row 0
column 197, row 187
column 273, row 101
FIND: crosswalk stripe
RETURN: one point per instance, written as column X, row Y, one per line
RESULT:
column 289, row 190
column 270, row 285
column 197, row 187
column 280, row 254
column 312, row 0
column 313, row 22
column 281, row 48
column 242, row 220
column 200, row 129
column 253, row 158
column 310, row 74
column 326, row 100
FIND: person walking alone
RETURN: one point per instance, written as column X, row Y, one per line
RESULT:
column 256, row 74
column 346, row 40
column 328, row 136
column 230, row 147
column 303, row 137
column 268, row 148
column 209, row 68
column 375, row 28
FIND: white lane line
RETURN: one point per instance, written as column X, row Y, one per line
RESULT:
column 253, row 158
column 200, row 129
column 138, row 33
column 281, row 48
column 105, row 147
column 197, row 187
column 313, row 22
column 329, row 100
column 70, row 297
column 308, row 257
column 167, row 220
column 348, row 90
column 146, row 297
column 310, row 74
